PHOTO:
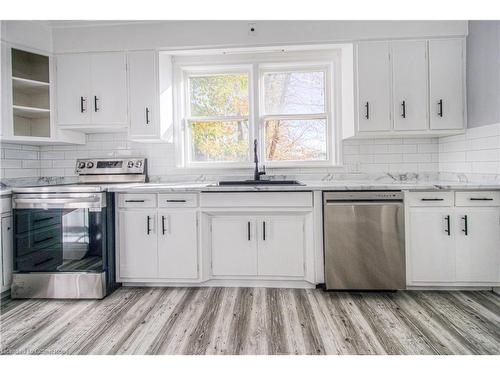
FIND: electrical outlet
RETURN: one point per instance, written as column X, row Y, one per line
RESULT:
column 252, row 29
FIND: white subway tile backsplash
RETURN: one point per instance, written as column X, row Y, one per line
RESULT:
column 21, row 154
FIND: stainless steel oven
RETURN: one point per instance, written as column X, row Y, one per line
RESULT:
column 63, row 245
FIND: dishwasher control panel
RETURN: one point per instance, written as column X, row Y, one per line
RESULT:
column 363, row 196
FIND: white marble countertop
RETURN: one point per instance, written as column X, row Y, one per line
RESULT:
column 308, row 186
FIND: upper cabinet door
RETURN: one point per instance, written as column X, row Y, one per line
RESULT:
column 73, row 89
column 144, row 121
column 446, row 72
column 409, row 62
column 109, row 88
column 374, row 87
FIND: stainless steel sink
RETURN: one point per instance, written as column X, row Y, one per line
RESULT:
column 260, row 182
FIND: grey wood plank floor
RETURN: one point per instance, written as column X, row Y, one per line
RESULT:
column 255, row 321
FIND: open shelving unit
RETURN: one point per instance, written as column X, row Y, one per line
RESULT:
column 30, row 94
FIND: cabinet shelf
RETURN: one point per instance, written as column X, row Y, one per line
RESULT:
column 30, row 112
column 24, row 83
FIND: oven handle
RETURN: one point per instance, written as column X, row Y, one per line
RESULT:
column 91, row 202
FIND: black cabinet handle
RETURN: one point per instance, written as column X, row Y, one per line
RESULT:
column 403, row 115
column 466, row 227
column 440, row 105
column 82, row 101
column 148, row 225
column 95, row 103
column 248, row 230
column 431, row 199
column 163, row 224
column 147, row 116
column 264, row 230
column 447, row 218
column 134, row 201
column 481, row 199
column 367, row 112
column 176, row 201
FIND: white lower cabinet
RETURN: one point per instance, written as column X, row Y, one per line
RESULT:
column 157, row 243
column 234, row 246
column 258, row 246
column 478, row 245
column 177, row 244
column 6, row 262
column 456, row 244
column 138, row 248
column 281, row 246
column 432, row 245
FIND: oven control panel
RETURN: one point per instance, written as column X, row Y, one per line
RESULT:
column 111, row 166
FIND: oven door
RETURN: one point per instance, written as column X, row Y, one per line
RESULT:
column 60, row 232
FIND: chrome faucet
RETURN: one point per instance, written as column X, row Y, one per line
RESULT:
column 257, row 173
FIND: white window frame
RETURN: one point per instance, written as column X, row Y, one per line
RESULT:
column 187, row 118
column 327, row 69
column 257, row 64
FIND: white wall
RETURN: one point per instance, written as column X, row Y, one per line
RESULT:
column 204, row 34
column 31, row 34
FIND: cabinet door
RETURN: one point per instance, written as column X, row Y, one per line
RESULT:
column 478, row 245
column 109, row 88
column 234, row 246
column 7, row 261
column 138, row 244
column 73, row 89
column 409, row 62
column 432, row 245
column 144, row 122
column 177, row 244
column 374, row 88
column 446, row 84
column 281, row 246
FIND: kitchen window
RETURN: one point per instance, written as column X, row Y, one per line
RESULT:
column 285, row 102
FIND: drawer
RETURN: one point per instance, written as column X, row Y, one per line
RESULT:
column 431, row 198
column 137, row 200
column 477, row 198
column 264, row 199
column 178, row 200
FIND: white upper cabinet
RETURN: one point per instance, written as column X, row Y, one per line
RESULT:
column 92, row 91
column 73, row 89
column 409, row 63
column 413, row 87
column 109, row 88
column 446, row 72
column 373, row 72
column 143, row 96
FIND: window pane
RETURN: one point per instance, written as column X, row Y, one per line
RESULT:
column 296, row 139
column 219, row 95
column 294, row 93
column 219, row 141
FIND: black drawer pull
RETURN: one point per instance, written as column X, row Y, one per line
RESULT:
column 440, row 110
column 135, row 201
column 163, row 230
column 43, row 261
column 431, row 199
column 147, row 116
column 403, row 115
column 466, row 226
column 367, row 111
column 45, row 239
column 96, row 99
column 481, row 199
column 43, row 219
column 176, row 201
column 148, row 229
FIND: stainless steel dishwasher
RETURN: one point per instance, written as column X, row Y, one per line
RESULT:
column 364, row 240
